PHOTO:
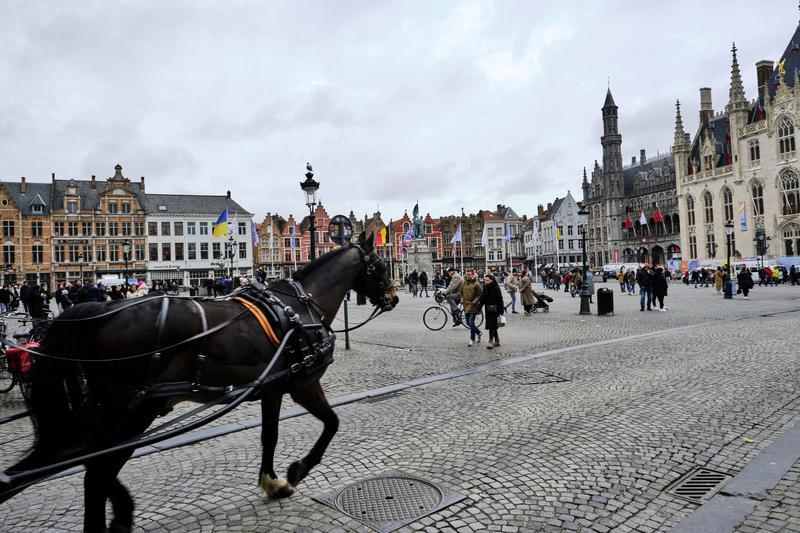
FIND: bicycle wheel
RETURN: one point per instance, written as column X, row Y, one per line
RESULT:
column 7, row 380
column 434, row 318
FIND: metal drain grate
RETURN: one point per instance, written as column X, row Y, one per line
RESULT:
column 388, row 502
column 530, row 377
column 699, row 485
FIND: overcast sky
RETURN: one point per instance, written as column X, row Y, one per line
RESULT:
column 462, row 104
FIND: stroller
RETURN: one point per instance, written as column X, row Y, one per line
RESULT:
column 542, row 301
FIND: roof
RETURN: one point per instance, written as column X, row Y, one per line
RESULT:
column 791, row 62
column 609, row 99
column 720, row 128
column 551, row 213
column 195, row 204
column 35, row 193
column 660, row 161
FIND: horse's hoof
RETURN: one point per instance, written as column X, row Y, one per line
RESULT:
column 297, row 471
column 275, row 488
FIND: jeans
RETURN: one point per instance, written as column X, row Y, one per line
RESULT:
column 3, row 307
column 513, row 303
column 544, row 282
column 453, row 300
column 622, row 288
column 631, row 288
column 642, row 292
column 473, row 331
column 423, row 288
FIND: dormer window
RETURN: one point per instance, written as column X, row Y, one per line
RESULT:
column 72, row 206
column 112, row 208
column 72, row 189
column 37, row 209
column 126, row 207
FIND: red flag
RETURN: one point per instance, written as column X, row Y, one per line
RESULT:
column 628, row 223
column 379, row 237
column 657, row 215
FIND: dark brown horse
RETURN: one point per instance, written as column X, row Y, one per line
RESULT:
column 103, row 379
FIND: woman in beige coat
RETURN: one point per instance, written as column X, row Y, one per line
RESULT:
column 526, row 291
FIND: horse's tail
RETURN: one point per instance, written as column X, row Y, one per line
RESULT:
column 57, row 429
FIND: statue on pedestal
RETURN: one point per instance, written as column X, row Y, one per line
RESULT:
column 419, row 231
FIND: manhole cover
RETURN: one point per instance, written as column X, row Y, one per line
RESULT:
column 530, row 377
column 699, row 485
column 388, row 502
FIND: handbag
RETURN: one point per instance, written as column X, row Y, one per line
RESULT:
column 501, row 321
column 491, row 308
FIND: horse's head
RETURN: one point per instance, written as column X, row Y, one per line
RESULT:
column 372, row 279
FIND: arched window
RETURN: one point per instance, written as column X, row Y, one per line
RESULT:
column 790, row 193
column 755, row 150
column 786, row 135
column 690, row 211
column 791, row 239
column 757, row 194
column 708, row 207
column 727, row 203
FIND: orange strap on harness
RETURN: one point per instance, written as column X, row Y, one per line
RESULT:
column 262, row 320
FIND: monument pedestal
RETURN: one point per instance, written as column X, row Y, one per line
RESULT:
column 419, row 257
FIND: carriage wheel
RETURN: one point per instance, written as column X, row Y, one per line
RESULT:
column 534, row 309
column 7, row 380
column 434, row 318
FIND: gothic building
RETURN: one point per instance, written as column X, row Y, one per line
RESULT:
column 740, row 174
column 619, row 196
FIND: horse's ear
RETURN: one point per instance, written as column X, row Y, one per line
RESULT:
column 369, row 245
column 362, row 239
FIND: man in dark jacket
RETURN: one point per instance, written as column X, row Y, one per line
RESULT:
column 423, row 284
column 24, row 294
column 659, row 288
column 645, row 280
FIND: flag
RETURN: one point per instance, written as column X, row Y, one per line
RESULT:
column 558, row 232
column 256, row 238
column 657, row 215
column 234, row 224
column 628, row 222
column 221, row 225
column 294, row 244
column 507, row 236
column 485, row 236
column 642, row 219
column 742, row 216
column 408, row 236
column 384, row 236
column 379, row 237
column 457, row 237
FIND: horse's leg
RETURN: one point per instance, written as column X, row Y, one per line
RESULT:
column 314, row 401
column 269, row 482
column 100, row 483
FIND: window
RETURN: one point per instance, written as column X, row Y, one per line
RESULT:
column 58, row 229
column 36, row 228
column 242, row 250
column 204, row 228
column 192, row 248
column 786, row 136
column 708, row 207
column 37, row 253
column 100, row 229
column 203, row 250
column 690, row 212
column 152, row 229
column 113, row 252
column 711, row 245
column 569, row 244
column 8, row 229
column 86, row 229
column 73, row 253
column 569, row 232
column 72, row 206
column 242, row 228
column 152, row 251
column 101, row 253
column 139, row 251
column 58, row 253
column 113, row 228
column 138, row 228
column 165, row 230
column 37, row 209
column 166, row 251
column 190, row 228
column 790, row 193
column 727, row 203
column 126, row 207
column 178, row 251
column 9, row 254
column 216, row 251
column 692, row 246
column 179, row 229
column 708, row 162
column 560, row 244
column 755, row 150
column 126, row 229
column 112, row 208
column 72, row 229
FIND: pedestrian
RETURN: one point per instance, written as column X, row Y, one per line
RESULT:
column 117, row 293
column 24, row 292
column 453, row 294
column 471, row 292
column 423, row 284
column 660, row 288
column 5, row 299
column 526, row 291
column 589, row 281
column 492, row 301
column 718, row 278
column 512, row 286
column 745, row 279
column 621, row 280
column 630, row 280
column 413, row 282
column 645, row 280
column 793, row 274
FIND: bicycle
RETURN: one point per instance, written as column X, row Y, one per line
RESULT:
column 435, row 317
column 15, row 363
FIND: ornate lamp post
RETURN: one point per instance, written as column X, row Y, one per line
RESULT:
column 585, row 309
column 310, row 188
column 126, row 253
column 81, row 260
column 728, row 289
column 762, row 243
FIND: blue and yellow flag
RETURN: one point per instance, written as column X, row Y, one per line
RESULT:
column 221, row 225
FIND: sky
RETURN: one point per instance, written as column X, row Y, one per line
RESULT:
column 453, row 104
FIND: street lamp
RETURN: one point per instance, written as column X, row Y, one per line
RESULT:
column 81, row 260
column 585, row 296
column 762, row 243
column 728, row 289
column 126, row 251
column 310, row 187
column 230, row 247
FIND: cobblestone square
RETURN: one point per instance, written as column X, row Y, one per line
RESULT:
column 575, row 423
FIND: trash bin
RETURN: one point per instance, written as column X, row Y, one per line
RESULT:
column 605, row 301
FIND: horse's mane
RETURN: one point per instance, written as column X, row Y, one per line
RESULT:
column 301, row 274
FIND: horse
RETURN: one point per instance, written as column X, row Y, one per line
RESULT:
column 105, row 371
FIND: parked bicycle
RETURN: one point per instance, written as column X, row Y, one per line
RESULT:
column 436, row 316
column 15, row 363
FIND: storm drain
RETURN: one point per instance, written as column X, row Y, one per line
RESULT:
column 530, row 377
column 699, row 485
column 389, row 502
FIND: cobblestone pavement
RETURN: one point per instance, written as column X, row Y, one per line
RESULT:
column 585, row 439
column 780, row 510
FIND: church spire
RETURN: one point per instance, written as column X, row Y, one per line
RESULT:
column 737, row 90
column 679, row 131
